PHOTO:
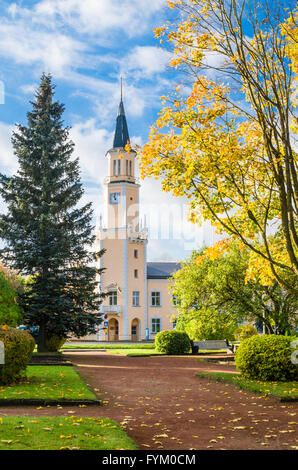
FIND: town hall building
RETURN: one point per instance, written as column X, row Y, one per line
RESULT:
column 139, row 303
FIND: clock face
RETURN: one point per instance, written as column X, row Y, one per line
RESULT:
column 114, row 198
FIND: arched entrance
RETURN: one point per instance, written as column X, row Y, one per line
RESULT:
column 113, row 330
column 135, row 329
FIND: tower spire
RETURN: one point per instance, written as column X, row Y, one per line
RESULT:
column 121, row 136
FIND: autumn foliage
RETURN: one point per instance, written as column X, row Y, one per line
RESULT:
column 226, row 140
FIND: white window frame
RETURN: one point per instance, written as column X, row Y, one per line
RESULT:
column 113, row 297
column 155, row 294
column 136, row 298
column 154, row 322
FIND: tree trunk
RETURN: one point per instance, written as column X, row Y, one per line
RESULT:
column 41, row 340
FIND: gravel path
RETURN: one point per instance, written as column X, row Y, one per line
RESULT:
column 162, row 404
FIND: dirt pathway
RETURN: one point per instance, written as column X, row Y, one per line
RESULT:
column 162, row 404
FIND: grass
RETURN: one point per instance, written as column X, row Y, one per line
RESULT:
column 136, row 352
column 59, row 433
column 109, row 346
column 48, row 383
column 285, row 391
column 132, row 350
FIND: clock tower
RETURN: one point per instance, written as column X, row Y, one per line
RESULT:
column 125, row 241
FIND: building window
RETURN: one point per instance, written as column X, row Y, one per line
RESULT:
column 135, row 253
column 136, row 298
column 136, row 273
column 130, row 168
column 119, row 167
column 155, row 299
column 127, row 167
column 155, row 325
column 113, row 298
column 174, row 300
column 174, row 324
column 115, row 167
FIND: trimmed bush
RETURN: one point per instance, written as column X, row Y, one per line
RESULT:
column 172, row 342
column 54, row 343
column 245, row 331
column 19, row 346
column 266, row 357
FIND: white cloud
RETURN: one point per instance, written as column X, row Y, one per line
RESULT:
column 95, row 17
column 8, row 160
column 91, row 145
column 29, row 89
column 146, row 60
column 51, row 36
column 54, row 51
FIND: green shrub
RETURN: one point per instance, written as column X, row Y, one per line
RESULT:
column 172, row 342
column 266, row 357
column 10, row 311
column 245, row 331
column 19, row 346
column 54, row 343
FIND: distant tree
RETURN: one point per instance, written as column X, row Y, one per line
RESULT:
column 11, row 286
column 214, row 295
column 48, row 235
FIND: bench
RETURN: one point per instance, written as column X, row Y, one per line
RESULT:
column 211, row 344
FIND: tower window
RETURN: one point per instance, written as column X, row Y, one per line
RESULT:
column 136, row 273
column 113, row 298
column 127, row 167
column 114, row 167
column 136, row 298
column 130, row 168
column 119, row 167
column 135, row 253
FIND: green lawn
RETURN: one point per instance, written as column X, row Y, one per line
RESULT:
column 281, row 390
column 132, row 349
column 108, row 346
column 58, row 433
column 48, row 383
column 136, row 352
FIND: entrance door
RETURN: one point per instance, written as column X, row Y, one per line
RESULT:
column 135, row 330
column 113, row 330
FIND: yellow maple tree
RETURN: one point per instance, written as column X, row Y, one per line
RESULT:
column 228, row 144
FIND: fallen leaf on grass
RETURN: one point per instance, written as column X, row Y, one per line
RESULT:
column 69, row 448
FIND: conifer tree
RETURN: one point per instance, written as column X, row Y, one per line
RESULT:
column 48, row 234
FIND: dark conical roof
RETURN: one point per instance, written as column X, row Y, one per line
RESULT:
column 121, row 137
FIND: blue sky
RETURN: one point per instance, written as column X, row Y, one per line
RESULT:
column 86, row 46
